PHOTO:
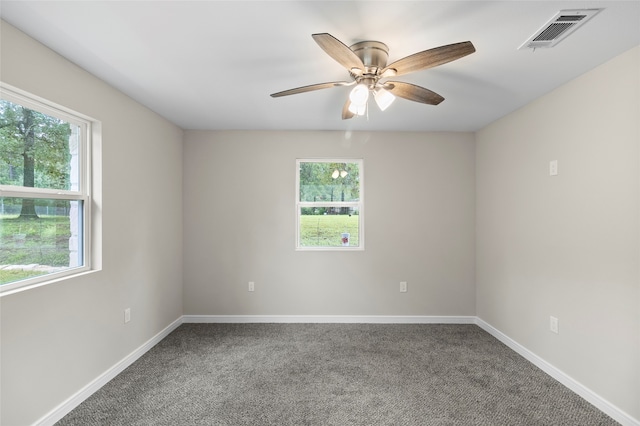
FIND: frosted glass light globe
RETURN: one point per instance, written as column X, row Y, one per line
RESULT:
column 359, row 95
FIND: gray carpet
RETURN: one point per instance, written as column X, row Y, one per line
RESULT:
column 333, row 374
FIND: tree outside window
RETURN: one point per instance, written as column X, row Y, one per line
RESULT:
column 42, row 204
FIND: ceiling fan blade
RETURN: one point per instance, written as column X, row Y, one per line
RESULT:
column 430, row 58
column 346, row 114
column 413, row 93
column 311, row 88
column 338, row 51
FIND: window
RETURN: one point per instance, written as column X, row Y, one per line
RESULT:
column 329, row 205
column 45, row 184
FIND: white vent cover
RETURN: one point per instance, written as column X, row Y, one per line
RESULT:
column 559, row 27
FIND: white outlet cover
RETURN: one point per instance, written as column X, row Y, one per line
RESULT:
column 553, row 168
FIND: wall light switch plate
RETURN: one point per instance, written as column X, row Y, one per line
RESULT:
column 553, row 168
column 403, row 286
column 127, row 315
column 252, row 286
column 553, row 324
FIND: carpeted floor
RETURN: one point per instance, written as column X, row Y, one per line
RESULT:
column 333, row 374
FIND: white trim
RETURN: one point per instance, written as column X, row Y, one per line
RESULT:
column 89, row 141
column 67, row 406
column 356, row 204
column 16, row 95
column 26, row 192
column 329, row 319
column 600, row 403
column 596, row 400
column 17, row 286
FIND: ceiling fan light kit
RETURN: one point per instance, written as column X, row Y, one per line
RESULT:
column 366, row 62
column 360, row 94
column 356, row 109
column 383, row 98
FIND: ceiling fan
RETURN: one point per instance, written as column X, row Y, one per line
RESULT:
column 366, row 62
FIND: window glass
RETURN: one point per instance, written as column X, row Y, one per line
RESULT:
column 329, row 182
column 44, row 198
column 330, row 227
column 36, row 149
column 329, row 204
column 46, row 243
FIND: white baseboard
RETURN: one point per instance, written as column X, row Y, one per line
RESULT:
column 65, row 408
column 577, row 387
column 335, row 319
column 605, row 406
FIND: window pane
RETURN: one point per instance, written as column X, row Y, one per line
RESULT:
column 47, row 241
column 37, row 150
column 329, row 182
column 329, row 227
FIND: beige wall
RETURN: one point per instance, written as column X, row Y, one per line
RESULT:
column 58, row 338
column 567, row 245
column 537, row 246
column 239, row 194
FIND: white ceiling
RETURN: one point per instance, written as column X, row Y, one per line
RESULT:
column 213, row 64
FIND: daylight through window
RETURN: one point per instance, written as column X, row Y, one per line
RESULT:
column 44, row 191
column 329, row 205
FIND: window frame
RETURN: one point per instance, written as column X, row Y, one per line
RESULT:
column 89, row 138
column 331, row 204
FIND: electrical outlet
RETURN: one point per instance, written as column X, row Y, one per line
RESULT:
column 252, row 286
column 403, row 286
column 553, row 168
column 127, row 315
column 553, row 324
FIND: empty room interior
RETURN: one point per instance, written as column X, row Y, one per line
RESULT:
column 499, row 191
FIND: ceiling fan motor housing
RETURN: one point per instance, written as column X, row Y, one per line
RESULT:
column 373, row 54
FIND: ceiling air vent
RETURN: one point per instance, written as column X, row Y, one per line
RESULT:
column 559, row 27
